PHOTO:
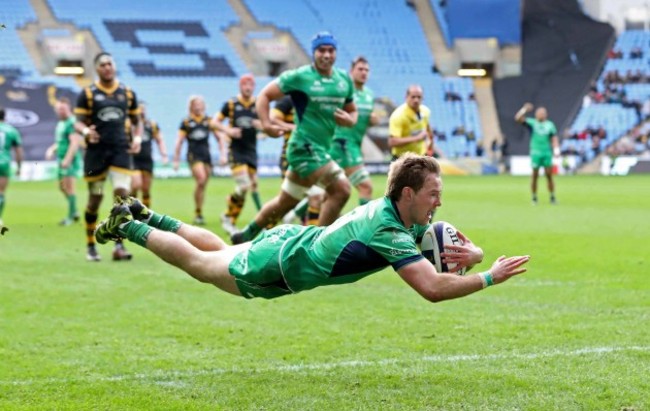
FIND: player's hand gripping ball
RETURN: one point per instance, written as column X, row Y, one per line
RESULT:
column 433, row 244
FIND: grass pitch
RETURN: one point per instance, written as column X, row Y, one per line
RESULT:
column 572, row 333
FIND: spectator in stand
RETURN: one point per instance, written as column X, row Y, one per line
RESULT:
column 645, row 110
column 636, row 53
column 614, row 54
column 595, row 144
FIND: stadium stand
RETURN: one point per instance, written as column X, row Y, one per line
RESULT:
column 167, row 53
column 384, row 33
column 614, row 102
column 440, row 10
column 14, row 59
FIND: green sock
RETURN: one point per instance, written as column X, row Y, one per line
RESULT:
column 136, row 231
column 301, row 208
column 363, row 201
column 256, row 200
column 163, row 222
column 2, row 203
column 72, row 206
column 250, row 231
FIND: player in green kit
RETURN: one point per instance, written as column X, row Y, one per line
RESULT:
column 544, row 144
column 346, row 149
column 289, row 259
column 9, row 138
column 323, row 98
column 68, row 157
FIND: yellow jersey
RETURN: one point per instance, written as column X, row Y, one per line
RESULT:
column 405, row 122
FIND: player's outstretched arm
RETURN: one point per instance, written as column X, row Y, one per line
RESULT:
column 436, row 287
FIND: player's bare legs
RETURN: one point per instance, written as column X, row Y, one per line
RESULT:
column 285, row 201
column 201, row 238
column 548, row 172
column 533, row 184
column 147, row 180
column 206, row 266
column 201, row 174
column 338, row 192
column 136, row 183
column 364, row 186
column 274, row 209
column 200, row 253
column 4, row 182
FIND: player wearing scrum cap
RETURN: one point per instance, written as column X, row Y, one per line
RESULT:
column 323, row 98
column 241, row 129
column 102, row 110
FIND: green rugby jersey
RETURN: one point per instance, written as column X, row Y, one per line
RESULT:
column 540, row 135
column 315, row 98
column 9, row 137
column 362, row 242
column 62, row 132
column 364, row 100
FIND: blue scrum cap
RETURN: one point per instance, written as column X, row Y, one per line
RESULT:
column 323, row 38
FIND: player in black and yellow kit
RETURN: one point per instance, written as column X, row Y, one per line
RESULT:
column 242, row 129
column 196, row 129
column 102, row 110
column 143, row 161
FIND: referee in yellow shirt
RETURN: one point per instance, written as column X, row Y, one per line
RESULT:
column 409, row 126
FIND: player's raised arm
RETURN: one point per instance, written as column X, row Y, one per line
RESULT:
column 520, row 116
column 436, row 287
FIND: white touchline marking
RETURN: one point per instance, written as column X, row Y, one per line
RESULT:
column 160, row 376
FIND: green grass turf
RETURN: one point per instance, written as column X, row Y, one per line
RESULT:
column 572, row 333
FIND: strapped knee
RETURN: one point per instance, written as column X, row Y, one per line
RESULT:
column 243, row 182
column 359, row 176
column 293, row 189
column 333, row 173
column 120, row 180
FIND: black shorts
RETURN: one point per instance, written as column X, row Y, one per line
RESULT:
column 199, row 157
column 248, row 158
column 100, row 157
column 143, row 164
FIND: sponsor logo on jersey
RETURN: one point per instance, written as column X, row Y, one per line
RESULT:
column 198, row 134
column 244, row 122
column 100, row 97
column 109, row 114
column 399, row 237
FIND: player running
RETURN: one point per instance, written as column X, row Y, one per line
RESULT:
column 143, row 161
column 242, row 153
column 323, row 98
column 196, row 129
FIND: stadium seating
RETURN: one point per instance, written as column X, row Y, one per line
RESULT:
column 13, row 55
column 614, row 118
column 166, row 56
column 388, row 40
column 441, row 16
